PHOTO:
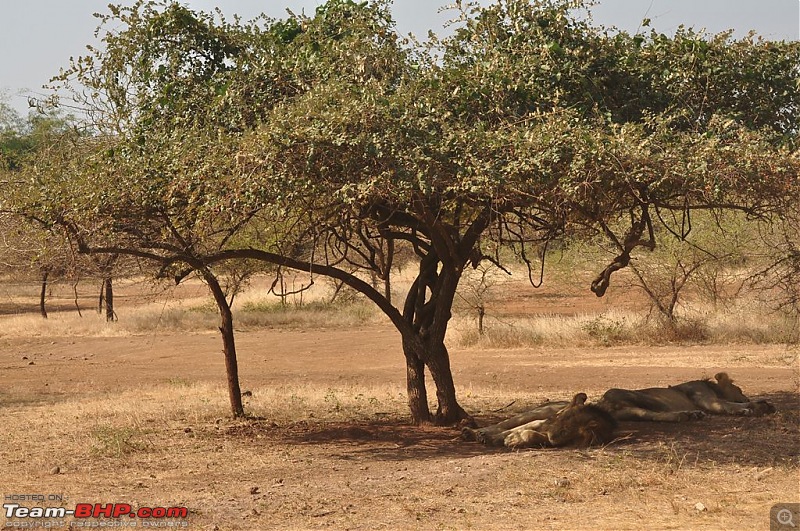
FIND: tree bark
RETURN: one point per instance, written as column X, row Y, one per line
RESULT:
column 415, row 381
column 449, row 411
column 387, row 272
column 420, row 354
column 43, row 294
column 75, row 299
column 109, row 296
column 228, row 343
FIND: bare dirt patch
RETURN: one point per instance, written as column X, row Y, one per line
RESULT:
column 143, row 420
column 124, row 416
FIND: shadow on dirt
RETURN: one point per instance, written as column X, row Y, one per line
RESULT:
column 31, row 400
column 387, row 439
column 754, row 441
column 12, row 308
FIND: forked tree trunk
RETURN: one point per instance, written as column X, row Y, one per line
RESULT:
column 426, row 313
column 228, row 344
column 420, row 354
column 43, row 294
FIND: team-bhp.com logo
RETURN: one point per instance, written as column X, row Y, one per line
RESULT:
column 23, row 517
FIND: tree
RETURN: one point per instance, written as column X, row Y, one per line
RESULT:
column 476, row 285
column 779, row 275
column 30, row 251
column 161, row 123
column 32, row 247
column 700, row 252
column 320, row 143
column 525, row 131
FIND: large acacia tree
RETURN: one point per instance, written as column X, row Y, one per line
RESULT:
column 533, row 124
column 342, row 143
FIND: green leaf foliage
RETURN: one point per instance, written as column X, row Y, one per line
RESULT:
column 331, row 130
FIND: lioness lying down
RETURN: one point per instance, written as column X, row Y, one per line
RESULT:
column 577, row 423
column 550, row 424
column 687, row 401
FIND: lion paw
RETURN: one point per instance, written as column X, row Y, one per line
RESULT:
column 695, row 415
column 469, row 434
column 762, row 407
column 482, row 436
column 512, row 440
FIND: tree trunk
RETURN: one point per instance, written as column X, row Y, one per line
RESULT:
column 109, row 296
column 415, row 381
column 107, row 287
column 387, row 287
column 438, row 359
column 101, row 298
column 420, row 354
column 228, row 344
column 43, row 294
column 75, row 299
column 449, row 411
column 427, row 317
column 387, row 271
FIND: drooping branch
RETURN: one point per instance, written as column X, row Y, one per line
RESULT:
column 633, row 239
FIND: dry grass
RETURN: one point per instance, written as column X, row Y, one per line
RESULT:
column 739, row 325
column 742, row 324
column 195, row 314
column 268, row 313
column 144, row 319
column 327, row 446
column 338, row 458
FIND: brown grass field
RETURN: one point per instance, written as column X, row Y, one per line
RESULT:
column 136, row 412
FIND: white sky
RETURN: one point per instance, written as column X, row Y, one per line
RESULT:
column 37, row 37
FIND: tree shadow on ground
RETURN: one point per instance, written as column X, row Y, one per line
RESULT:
column 754, row 441
column 390, row 439
column 13, row 308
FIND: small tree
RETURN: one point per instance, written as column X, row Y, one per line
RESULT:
column 475, row 288
column 779, row 274
column 29, row 251
column 161, row 122
column 32, row 246
column 705, row 255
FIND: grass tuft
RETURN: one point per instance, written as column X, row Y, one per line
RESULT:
column 114, row 441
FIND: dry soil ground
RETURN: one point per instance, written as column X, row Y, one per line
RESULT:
column 142, row 420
